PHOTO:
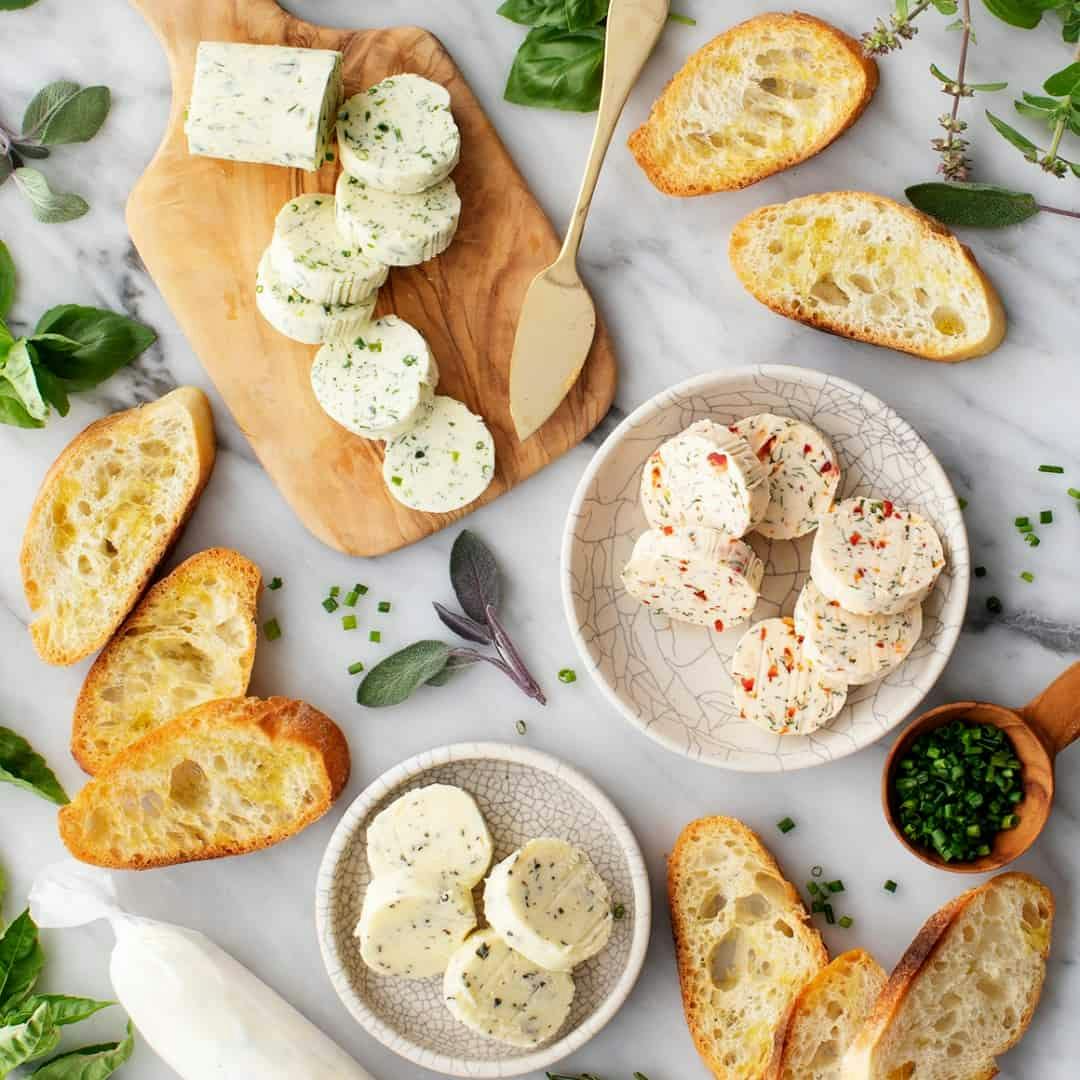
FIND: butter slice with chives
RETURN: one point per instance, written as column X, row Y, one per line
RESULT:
column 265, row 104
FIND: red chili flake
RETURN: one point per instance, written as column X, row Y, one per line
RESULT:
column 719, row 626
column 656, row 477
column 700, row 594
column 791, row 712
column 801, row 638
column 860, row 574
column 807, row 448
column 826, row 468
column 888, row 508
column 789, row 658
column 834, row 603
column 667, row 530
column 766, row 448
column 855, row 538
column 773, row 672
column 881, row 545
column 763, row 633
column 860, row 509
column 880, row 644
column 748, row 685
column 719, row 460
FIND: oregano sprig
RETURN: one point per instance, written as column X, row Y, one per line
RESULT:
column 1059, row 109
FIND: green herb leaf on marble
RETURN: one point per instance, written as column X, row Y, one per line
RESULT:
column 558, row 69
column 21, row 961
column 63, row 1010
column 105, row 342
column 984, row 206
column 395, row 679
column 49, row 207
column 44, row 103
column 7, row 280
column 16, row 5
column 89, row 1062
column 78, row 118
column 22, row 766
column 20, row 1043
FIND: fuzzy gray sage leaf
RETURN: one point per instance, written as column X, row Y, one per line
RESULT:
column 981, row 206
column 397, row 677
column 78, row 118
column 474, row 574
column 48, row 206
column 45, row 102
column 462, row 625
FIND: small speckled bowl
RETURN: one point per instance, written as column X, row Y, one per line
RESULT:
column 522, row 794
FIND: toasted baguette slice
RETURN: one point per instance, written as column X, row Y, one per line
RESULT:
column 766, row 95
column 190, row 639
column 743, row 942
column 225, row 778
column 868, row 268
column 827, row 1015
column 108, row 510
column 965, row 990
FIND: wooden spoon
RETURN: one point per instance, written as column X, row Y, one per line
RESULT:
column 1038, row 732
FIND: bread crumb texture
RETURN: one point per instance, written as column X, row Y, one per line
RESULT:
column 759, row 98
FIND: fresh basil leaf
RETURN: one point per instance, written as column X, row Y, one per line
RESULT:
column 18, row 370
column 21, row 961
column 558, row 69
column 22, row 766
column 16, row 5
column 52, row 389
column 107, row 342
column 474, row 575
column 463, row 626
column 48, row 206
column 581, row 14
column 1064, row 83
column 1021, row 142
column 63, row 1010
column 975, row 205
column 395, row 679
column 1070, row 29
column 45, row 101
column 30, row 150
column 536, row 12
column 56, row 342
column 946, row 7
column 13, row 413
column 20, row 1043
column 78, row 119
column 3, row 889
column 1020, row 13
column 7, row 280
column 89, row 1062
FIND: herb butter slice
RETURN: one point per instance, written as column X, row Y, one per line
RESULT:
column 376, row 385
column 399, row 135
column 444, row 463
column 400, row 230
column 302, row 319
column 309, row 256
column 267, row 104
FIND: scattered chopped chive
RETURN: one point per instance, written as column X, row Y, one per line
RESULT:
column 830, row 917
column 890, row 885
column 1073, row 493
column 980, row 571
column 835, row 886
column 275, row 583
column 1046, row 517
column 348, row 622
column 1020, row 522
column 335, row 591
column 816, row 871
column 350, row 598
column 817, row 907
column 567, row 675
column 522, row 727
column 1027, row 576
column 384, row 606
column 355, row 669
column 330, row 604
column 1056, row 469
column 847, row 922
column 272, row 629
column 375, row 636
column 683, row 20
column 361, row 589
column 1027, row 527
column 618, row 911
column 963, row 502
column 786, row 825
column 994, row 605
column 813, row 888
column 1032, row 540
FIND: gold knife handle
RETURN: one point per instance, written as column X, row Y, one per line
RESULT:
column 633, row 29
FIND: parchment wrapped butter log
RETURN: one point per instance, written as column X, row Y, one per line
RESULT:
column 204, row 1013
column 267, row 104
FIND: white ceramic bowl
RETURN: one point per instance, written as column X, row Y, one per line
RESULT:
column 672, row 680
column 522, row 794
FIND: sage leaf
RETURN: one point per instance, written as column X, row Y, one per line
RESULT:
column 48, row 206
column 457, row 661
column 89, row 1062
column 106, row 343
column 558, row 69
column 63, row 1010
column 22, row 766
column 7, row 280
column 45, row 101
column 13, row 413
column 1021, row 142
column 78, row 118
column 30, row 150
column 981, row 206
column 474, row 575
column 1022, row 13
column 1064, row 83
column 7, row 167
column 21, row 961
column 20, row 1043
column 396, row 678
column 462, row 625
column 18, row 371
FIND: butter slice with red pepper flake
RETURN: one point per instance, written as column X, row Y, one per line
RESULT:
column 705, row 476
column 696, row 576
column 777, row 686
column 874, row 558
column 858, row 648
column 803, row 469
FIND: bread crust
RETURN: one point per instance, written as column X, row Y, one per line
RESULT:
column 929, row 227
column 920, row 953
column 680, row 919
column 283, row 720
column 670, row 184
column 197, row 406
column 248, row 579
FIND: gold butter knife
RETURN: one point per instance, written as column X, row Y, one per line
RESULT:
column 558, row 320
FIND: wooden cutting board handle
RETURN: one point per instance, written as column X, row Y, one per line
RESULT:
column 187, row 21
column 1055, row 713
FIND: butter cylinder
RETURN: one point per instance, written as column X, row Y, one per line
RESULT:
column 266, row 104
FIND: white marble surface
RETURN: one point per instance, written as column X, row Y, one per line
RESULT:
column 661, row 277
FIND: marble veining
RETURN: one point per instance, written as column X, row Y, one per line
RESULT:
column 661, row 278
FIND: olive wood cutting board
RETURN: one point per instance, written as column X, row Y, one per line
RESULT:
column 200, row 225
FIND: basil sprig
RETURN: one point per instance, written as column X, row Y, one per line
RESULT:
column 61, row 113
column 72, row 348
column 22, row 766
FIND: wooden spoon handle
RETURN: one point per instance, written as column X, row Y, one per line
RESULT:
column 1055, row 713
